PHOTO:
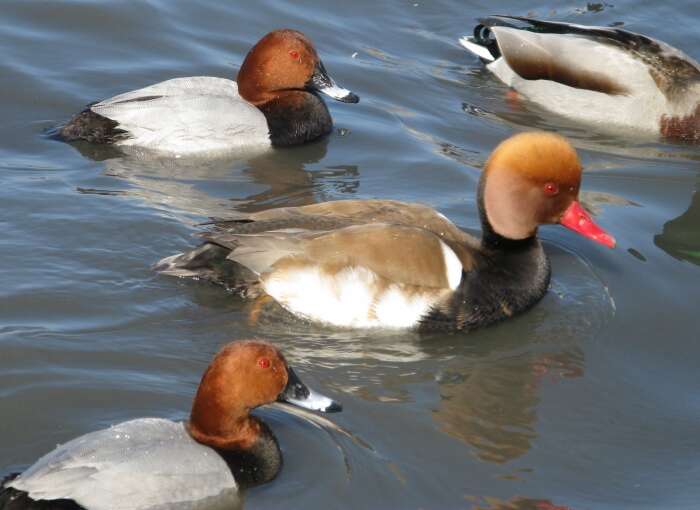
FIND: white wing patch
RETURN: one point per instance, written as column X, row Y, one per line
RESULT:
column 478, row 50
column 453, row 266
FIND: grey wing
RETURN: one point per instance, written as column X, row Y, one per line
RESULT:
column 207, row 85
column 187, row 114
column 141, row 464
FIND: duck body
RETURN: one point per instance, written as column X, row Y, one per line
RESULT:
column 154, row 463
column 608, row 77
column 390, row 264
column 275, row 102
column 134, row 465
column 369, row 263
column 182, row 115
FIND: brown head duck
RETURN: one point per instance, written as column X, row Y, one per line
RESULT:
column 151, row 463
column 384, row 263
column 275, row 102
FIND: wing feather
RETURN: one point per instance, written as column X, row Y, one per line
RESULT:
column 140, row 464
column 187, row 115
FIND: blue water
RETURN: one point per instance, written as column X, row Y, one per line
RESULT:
column 588, row 401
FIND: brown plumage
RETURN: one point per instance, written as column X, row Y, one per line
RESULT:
column 367, row 263
column 281, row 61
column 235, row 383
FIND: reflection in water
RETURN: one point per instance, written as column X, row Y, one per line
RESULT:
column 484, row 387
column 594, row 201
column 196, row 187
column 490, row 390
column 491, row 403
column 519, row 503
column 680, row 237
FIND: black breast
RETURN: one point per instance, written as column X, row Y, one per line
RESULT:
column 297, row 117
column 504, row 282
column 256, row 465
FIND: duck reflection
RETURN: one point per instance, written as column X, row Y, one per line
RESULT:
column 680, row 236
column 489, row 397
column 195, row 187
column 521, row 503
column 484, row 387
column 490, row 385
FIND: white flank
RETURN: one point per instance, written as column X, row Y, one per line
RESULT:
column 349, row 298
column 479, row 51
column 453, row 266
column 396, row 309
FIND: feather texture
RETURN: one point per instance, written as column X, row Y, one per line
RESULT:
column 600, row 75
column 141, row 464
column 187, row 115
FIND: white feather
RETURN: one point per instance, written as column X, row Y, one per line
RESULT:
column 453, row 266
column 148, row 463
column 186, row 116
column 476, row 49
column 349, row 298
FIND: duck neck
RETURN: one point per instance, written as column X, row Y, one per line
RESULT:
column 209, row 425
column 257, row 464
column 245, row 443
column 295, row 117
column 492, row 240
column 509, row 276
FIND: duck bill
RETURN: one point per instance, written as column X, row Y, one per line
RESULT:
column 322, row 82
column 577, row 219
column 298, row 394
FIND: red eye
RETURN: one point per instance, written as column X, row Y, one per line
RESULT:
column 294, row 54
column 551, row 189
column 264, row 363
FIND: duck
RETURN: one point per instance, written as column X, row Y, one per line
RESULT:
column 275, row 102
column 603, row 76
column 391, row 264
column 149, row 463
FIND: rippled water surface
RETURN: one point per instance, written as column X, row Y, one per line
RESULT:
column 588, row 401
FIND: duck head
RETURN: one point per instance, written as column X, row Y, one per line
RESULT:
column 241, row 377
column 282, row 61
column 533, row 179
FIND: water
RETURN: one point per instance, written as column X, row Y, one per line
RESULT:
column 589, row 401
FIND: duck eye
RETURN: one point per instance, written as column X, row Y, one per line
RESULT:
column 264, row 363
column 294, row 54
column 551, row 189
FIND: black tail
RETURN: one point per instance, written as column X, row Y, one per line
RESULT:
column 92, row 127
column 209, row 262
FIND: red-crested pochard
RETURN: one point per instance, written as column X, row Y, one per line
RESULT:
column 151, row 463
column 383, row 263
column 599, row 75
column 275, row 102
